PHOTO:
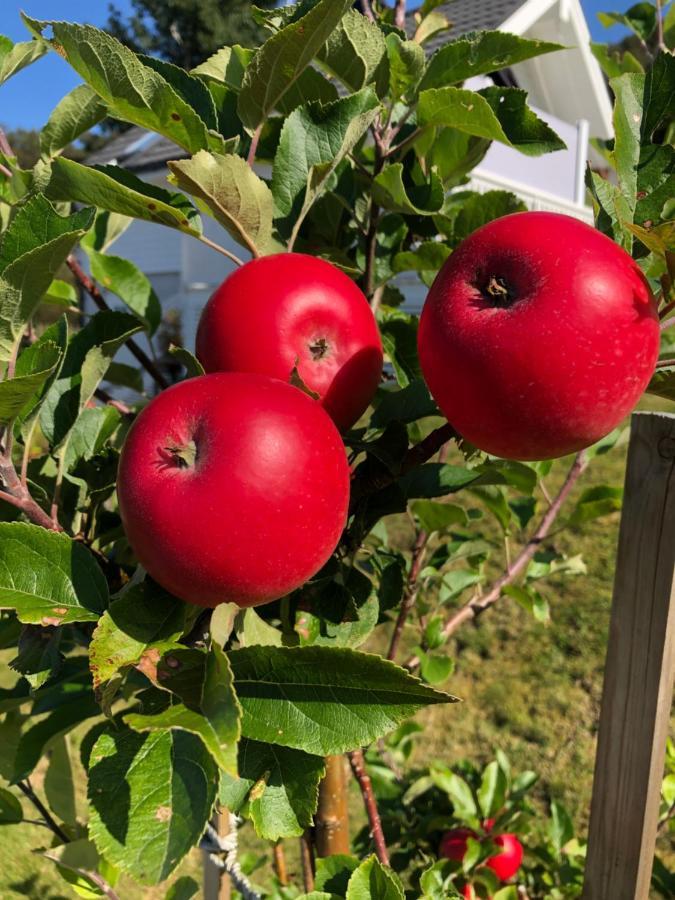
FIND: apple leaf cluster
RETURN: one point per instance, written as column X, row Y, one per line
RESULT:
column 341, row 137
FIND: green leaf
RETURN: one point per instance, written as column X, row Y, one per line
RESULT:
column 235, row 195
column 310, row 87
column 406, row 65
column 89, row 434
column 280, row 61
column 560, row 828
column 640, row 18
column 628, row 90
column 190, row 88
column 76, row 862
column 14, row 57
column 118, row 191
column 280, row 787
column 436, row 480
column 87, row 359
column 11, row 812
column 182, row 889
column 407, row 405
column 466, row 211
column 150, row 798
column 599, row 500
column 333, row 873
column 373, row 881
column 492, row 790
column 59, row 786
column 57, row 335
column 479, row 53
column 495, row 500
column 356, row 53
column 33, row 370
column 339, row 613
column 108, row 227
column 125, row 279
column 457, row 790
column 323, row 700
column 39, row 656
column 663, row 383
column 227, row 65
column 32, row 250
column 438, row 516
column 397, row 190
column 36, row 740
column 193, row 368
column 317, row 136
column 429, row 256
column 134, row 631
column 253, row 630
column 435, row 667
column 132, row 90
column 215, row 720
column 79, row 111
column 614, row 62
column 48, row 578
column 399, row 339
column 61, row 293
column 431, row 24
column 499, row 114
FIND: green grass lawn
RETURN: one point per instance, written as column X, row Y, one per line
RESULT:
column 532, row 690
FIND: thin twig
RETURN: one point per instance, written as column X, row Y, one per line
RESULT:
column 227, row 253
column 100, row 301
column 253, row 149
column 410, row 593
column 358, row 765
column 667, row 324
column 280, row 863
column 659, row 26
column 367, row 10
column 5, row 171
column 665, row 362
column 58, row 484
column 121, row 407
column 26, row 788
column 399, row 14
column 307, row 861
column 478, row 605
column 5, row 146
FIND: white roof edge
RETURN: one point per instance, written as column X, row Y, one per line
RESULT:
column 532, row 10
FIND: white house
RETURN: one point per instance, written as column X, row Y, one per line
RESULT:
column 566, row 88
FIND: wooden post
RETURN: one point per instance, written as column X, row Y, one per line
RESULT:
column 216, row 882
column 331, row 823
column 639, row 673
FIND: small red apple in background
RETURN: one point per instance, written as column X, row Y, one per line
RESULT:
column 506, row 863
column 287, row 309
column 538, row 336
column 233, row 487
column 454, row 843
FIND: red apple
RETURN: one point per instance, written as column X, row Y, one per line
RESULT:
column 291, row 309
column 233, row 487
column 454, row 843
column 538, row 336
column 506, row 863
column 468, row 892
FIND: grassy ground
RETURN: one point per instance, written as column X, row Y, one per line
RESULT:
column 532, row 690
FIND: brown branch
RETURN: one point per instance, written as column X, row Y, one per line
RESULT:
column 399, row 14
column 667, row 324
column 367, row 10
column 478, row 605
column 410, row 593
column 5, row 171
column 280, row 863
column 659, row 26
column 358, row 765
column 307, row 861
column 98, row 298
column 121, row 407
column 17, row 493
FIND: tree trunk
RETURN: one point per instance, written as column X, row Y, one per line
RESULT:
column 332, row 816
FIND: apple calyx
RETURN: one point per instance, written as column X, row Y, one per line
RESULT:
column 319, row 348
column 497, row 292
column 183, row 457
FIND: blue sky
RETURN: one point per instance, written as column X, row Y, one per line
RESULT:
column 27, row 99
